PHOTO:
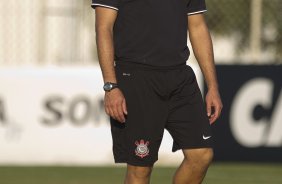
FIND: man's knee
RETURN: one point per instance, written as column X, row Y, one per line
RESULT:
column 206, row 155
column 201, row 157
column 139, row 172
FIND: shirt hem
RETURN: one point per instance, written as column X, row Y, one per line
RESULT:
column 197, row 12
column 103, row 5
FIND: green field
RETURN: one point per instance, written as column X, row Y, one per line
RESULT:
column 219, row 173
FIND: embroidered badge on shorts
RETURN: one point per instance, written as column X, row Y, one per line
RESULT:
column 142, row 149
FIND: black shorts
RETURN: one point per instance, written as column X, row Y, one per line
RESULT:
column 158, row 99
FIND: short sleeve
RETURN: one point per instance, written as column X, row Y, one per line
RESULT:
column 113, row 4
column 196, row 6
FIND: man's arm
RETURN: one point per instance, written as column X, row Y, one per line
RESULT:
column 202, row 46
column 114, row 101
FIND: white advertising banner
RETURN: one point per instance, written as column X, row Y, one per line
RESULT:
column 56, row 116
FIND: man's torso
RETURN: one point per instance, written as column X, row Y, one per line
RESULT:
column 152, row 32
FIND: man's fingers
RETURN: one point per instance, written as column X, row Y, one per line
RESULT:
column 216, row 114
column 117, row 111
column 209, row 109
column 213, row 118
column 112, row 113
column 214, row 105
column 120, row 114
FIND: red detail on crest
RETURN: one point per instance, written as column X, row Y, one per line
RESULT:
column 142, row 149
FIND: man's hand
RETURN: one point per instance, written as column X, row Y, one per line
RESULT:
column 115, row 105
column 214, row 105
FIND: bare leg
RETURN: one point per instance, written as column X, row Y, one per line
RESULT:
column 138, row 175
column 194, row 166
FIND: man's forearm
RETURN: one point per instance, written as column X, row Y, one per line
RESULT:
column 104, row 40
column 203, row 50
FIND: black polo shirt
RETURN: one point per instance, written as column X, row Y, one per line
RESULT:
column 152, row 32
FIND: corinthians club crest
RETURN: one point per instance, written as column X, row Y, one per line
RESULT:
column 142, row 149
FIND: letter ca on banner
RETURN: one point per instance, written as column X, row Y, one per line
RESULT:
column 256, row 132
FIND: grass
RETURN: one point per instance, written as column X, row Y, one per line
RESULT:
column 219, row 173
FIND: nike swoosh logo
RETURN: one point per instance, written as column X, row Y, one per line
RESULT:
column 206, row 137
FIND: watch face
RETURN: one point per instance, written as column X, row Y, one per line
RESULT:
column 108, row 86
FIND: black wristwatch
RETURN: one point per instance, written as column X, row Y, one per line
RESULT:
column 108, row 86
